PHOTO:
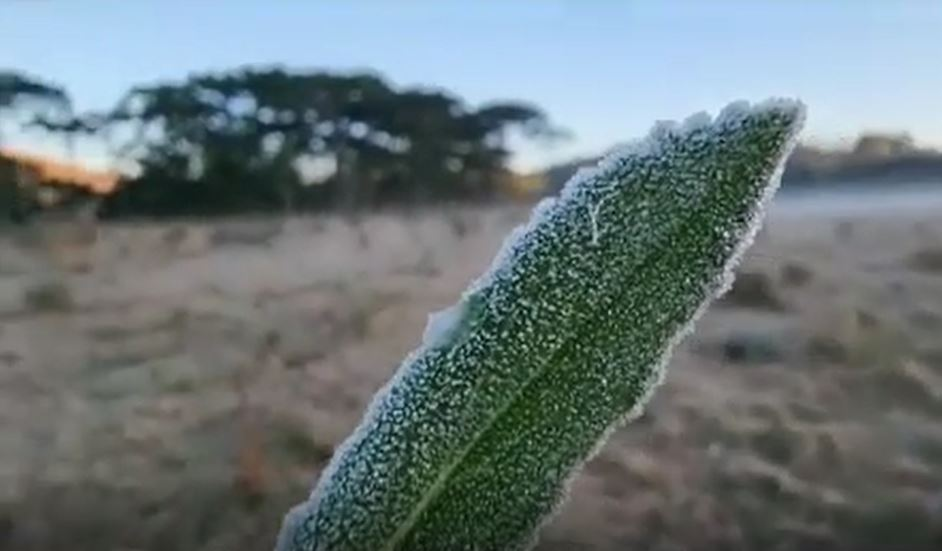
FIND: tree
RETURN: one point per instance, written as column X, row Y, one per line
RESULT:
column 24, row 100
column 234, row 142
column 23, row 95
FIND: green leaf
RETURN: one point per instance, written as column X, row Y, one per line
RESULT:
column 473, row 442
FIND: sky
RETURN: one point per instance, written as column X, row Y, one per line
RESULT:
column 604, row 70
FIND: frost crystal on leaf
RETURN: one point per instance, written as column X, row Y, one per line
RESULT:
column 473, row 441
column 441, row 325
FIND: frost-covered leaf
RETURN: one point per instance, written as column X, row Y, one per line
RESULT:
column 472, row 443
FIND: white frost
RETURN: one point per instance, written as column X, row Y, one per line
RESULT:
column 542, row 211
column 441, row 324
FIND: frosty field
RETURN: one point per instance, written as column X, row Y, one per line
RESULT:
column 178, row 385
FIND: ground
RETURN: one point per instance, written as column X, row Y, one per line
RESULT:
column 176, row 386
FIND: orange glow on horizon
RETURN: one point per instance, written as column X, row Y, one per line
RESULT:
column 53, row 170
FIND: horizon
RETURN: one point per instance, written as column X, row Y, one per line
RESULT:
column 861, row 67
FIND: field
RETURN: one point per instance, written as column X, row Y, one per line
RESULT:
column 177, row 386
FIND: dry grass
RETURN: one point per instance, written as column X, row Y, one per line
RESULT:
column 52, row 296
column 794, row 274
column 195, row 380
column 927, row 260
column 754, row 290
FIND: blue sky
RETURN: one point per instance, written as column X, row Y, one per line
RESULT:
column 605, row 70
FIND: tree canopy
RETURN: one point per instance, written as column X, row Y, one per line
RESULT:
column 257, row 139
column 24, row 100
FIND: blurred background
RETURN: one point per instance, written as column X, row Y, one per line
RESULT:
column 222, row 225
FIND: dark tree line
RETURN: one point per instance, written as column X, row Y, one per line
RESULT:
column 24, row 101
column 272, row 139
